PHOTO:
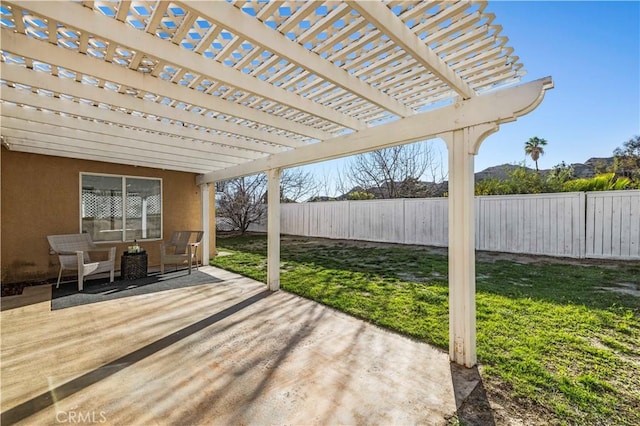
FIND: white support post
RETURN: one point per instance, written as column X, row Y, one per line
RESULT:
column 213, row 245
column 206, row 225
column 273, row 230
column 463, row 145
column 144, row 217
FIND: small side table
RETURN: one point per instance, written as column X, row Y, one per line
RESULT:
column 133, row 266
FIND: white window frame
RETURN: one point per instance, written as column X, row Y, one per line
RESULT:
column 124, row 178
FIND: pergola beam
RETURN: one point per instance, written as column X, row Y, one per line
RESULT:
column 388, row 23
column 497, row 107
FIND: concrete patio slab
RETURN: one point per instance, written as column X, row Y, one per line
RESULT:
column 228, row 352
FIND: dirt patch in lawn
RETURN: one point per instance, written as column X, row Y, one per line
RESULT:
column 506, row 409
column 624, row 288
column 481, row 256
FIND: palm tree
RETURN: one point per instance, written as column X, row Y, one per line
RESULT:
column 535, row 148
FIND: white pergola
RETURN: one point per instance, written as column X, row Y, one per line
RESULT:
column 232, row 88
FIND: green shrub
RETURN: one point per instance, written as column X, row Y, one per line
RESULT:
column 604, row 182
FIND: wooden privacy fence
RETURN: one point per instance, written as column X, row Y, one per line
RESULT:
column 575, row 224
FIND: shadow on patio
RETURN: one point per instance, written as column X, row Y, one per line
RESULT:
column 223, row 352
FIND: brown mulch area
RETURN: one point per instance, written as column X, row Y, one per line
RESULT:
column 12, row 289
column 15, row 289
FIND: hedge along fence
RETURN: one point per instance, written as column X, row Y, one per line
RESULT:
column 575, row 224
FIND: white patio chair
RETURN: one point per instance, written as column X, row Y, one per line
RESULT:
column 183, row 247
column 74, row 253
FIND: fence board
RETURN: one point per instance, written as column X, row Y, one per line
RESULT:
column 426, row 221
column 329, row 219
column 294, row 219
column 377, row 220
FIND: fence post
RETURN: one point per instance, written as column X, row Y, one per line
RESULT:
column 404, row 221
column 349, row 221
column 582, row 220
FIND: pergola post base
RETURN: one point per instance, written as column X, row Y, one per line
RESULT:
column 462, row 146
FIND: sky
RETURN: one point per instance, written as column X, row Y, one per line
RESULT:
column 591, row 49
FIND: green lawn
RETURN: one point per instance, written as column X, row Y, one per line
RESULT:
column 549, row 336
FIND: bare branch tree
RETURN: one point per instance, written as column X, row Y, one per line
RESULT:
column 343, row 183
column 391, row 172
column 327, row 186
column 435, row 169
column 297, row 185
column 242, row 201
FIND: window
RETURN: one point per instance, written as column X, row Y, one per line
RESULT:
column 121, row 208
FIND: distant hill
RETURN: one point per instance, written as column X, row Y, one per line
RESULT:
column 581, row 170
column 588, row 169
column 501, row 172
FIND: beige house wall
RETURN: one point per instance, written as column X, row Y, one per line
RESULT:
column 40, row 197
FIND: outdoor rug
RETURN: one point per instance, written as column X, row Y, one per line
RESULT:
column 100, row 290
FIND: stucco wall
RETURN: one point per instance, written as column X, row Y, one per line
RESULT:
column 40, row 197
